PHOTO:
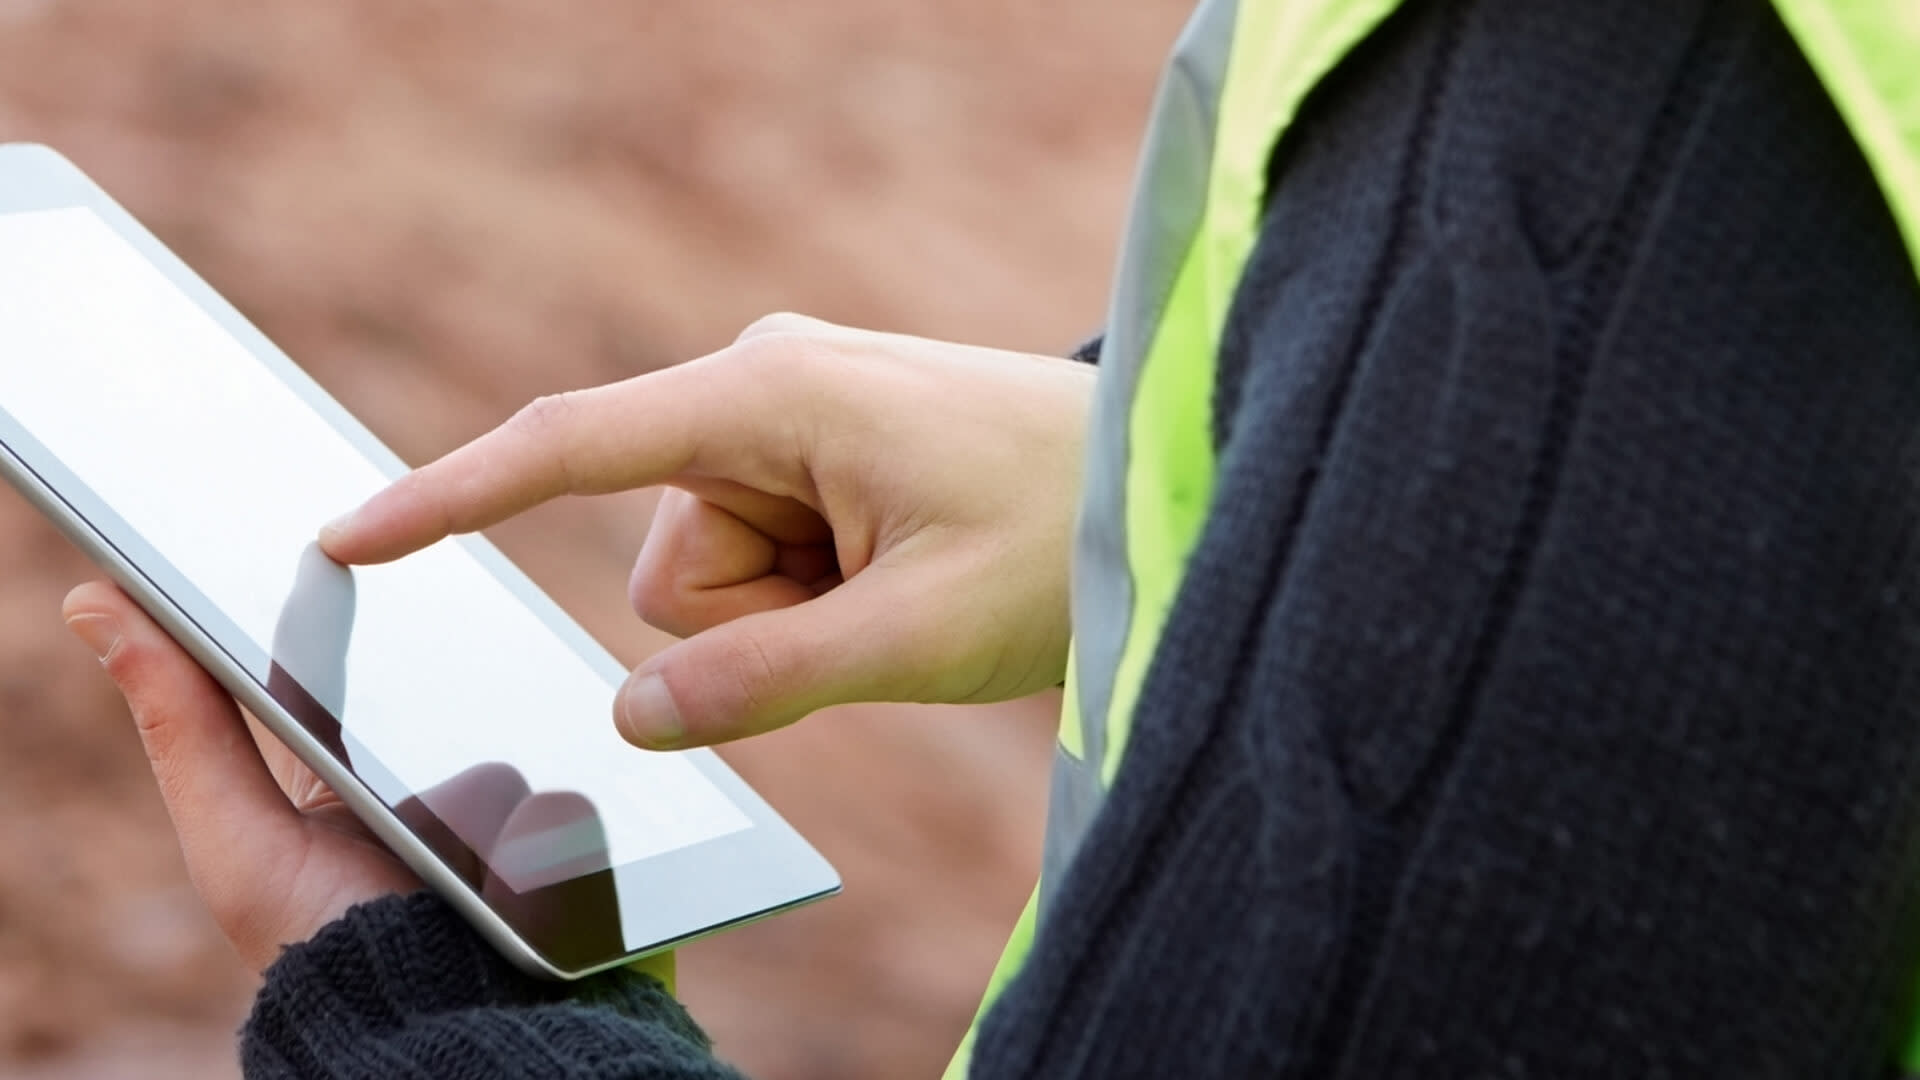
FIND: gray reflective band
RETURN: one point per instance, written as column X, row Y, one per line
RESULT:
column 1168, row 207
column 1072, row 799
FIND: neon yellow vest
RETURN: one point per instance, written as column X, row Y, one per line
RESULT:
column 1238, row 75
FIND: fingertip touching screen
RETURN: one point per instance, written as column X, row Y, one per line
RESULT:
column 435, row 684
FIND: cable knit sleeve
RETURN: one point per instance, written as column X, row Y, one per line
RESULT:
column 401, row 987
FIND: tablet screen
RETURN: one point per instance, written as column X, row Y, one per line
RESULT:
column 428, row 675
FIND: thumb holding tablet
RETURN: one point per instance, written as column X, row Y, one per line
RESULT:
column 273, row 863
column 271, row 850
column 859, row 517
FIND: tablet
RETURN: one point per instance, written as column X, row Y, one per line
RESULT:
column 447, row 700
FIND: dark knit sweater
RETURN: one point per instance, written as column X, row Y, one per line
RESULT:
column 1541, row 700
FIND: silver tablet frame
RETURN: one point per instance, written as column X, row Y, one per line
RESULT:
column 766, row 869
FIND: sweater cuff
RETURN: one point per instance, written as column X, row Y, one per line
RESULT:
column 392, row 961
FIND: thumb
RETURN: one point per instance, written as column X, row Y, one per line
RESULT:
column 224, row 802
column 768, row 669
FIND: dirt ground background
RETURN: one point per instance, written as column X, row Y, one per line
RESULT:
column 446, row 207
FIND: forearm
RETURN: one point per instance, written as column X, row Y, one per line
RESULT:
column 401, row 986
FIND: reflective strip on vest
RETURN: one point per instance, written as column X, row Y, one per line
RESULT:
column 1238, row 75
column 1195, row 216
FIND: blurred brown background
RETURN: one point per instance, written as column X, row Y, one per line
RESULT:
column 446, row 207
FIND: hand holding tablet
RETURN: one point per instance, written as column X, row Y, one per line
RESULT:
column 196, row 464
column 851, row 517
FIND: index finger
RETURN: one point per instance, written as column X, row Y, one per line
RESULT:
column 629, row 434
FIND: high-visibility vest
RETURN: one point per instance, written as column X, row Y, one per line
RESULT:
column 1238, row 76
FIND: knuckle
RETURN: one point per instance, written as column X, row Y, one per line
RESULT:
column 753, row 677
column 548, row 416
column 651, row 592
column 550, row 425
column 122, row 664
column 762, row 355
column 787, row 363
column 780, row 322
column 655, row 587
column 129, row 671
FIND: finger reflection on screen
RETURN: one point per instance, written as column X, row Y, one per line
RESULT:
column 308, row 676
column 538, row 858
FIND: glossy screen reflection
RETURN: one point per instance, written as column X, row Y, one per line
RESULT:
column 485, row 822
column 460, row 708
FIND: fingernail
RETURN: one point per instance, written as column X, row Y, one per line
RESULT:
column 100, row 632
column 648, row 715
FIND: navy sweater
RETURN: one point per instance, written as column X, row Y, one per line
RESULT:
column 1541, row 700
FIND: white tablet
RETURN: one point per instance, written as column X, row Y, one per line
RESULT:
column 449, row 702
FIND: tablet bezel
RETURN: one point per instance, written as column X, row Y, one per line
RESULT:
column 660, row 901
